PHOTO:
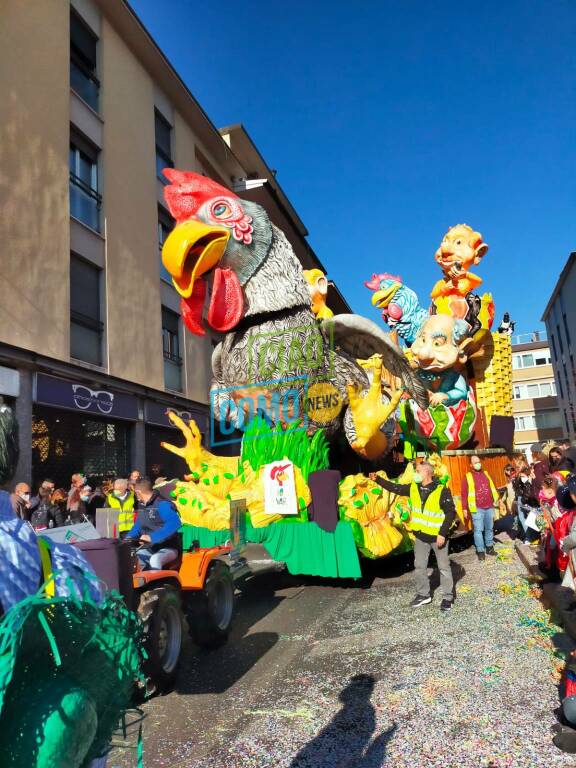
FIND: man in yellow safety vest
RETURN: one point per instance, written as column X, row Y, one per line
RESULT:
column 122, row 499
column 431, row 517
column 479, row 497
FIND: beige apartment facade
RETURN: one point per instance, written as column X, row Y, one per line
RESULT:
column 535, row 402
column 92, row 348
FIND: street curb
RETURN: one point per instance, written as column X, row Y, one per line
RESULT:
column 562, row 600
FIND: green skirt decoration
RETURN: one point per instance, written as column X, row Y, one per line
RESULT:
column 304, row 547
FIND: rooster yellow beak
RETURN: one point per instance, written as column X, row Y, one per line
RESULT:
column 191, row 250
column 382, row 298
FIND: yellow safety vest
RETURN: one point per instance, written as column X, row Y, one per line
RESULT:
column 126, row 514
column 472, row 491
column 427, row 519
column 46, row 563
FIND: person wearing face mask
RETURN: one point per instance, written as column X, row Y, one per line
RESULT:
column 526, row 501
column 479, row 497
column 122, row 499
column 44, row 513
column 431, row 518
column 21, row 501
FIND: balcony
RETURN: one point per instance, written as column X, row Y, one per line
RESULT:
column 173, row 372
column 84, row 83
column 85, row 203
column 529, row 338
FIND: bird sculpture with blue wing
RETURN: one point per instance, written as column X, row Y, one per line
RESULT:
column 401, row 309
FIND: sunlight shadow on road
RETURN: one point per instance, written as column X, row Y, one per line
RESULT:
column 347, row 739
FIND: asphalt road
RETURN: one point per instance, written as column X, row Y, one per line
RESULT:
column 336, row 675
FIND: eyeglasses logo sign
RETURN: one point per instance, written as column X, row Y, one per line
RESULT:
column 184, row 415
column 84, row 397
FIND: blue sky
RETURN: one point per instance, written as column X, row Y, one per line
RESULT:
column 389, row 122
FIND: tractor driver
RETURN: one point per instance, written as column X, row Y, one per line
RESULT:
column 156, row 527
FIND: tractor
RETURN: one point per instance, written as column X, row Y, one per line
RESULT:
column 197, row 589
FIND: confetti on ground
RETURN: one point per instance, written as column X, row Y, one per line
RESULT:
column 403, row 688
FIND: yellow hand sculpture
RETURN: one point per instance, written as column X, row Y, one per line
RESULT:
column 192, row 451
column 369, row 413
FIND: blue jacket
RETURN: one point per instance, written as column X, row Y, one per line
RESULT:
column 158, row 519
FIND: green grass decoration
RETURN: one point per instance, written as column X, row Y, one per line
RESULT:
column 263, row 444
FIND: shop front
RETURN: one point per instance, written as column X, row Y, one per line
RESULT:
column 77, row 428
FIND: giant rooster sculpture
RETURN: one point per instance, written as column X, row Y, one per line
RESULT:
column 228, row 249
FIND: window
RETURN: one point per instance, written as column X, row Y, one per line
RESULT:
column 543, row 420
column 63, row 443
column 163, row 131
column 542, row 358
column 83, row 80
column 529, row 359
column 85, row 325
column 566, row 329
column 553, row 340
column 560, row 339
column 538, row 389
column 85, row 202
column 171, row 350
column 165, row 226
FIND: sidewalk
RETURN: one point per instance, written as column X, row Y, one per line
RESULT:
column 560, row 599
column 383, row 685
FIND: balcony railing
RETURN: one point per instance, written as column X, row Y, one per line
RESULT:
column 528, row 338
column 85, row 202
column 172, row 372
column 84, row 83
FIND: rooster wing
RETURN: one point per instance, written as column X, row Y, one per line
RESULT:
column 361, row 338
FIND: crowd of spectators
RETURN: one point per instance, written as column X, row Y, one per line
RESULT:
column 53, row 507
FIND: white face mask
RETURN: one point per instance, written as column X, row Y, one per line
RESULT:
column 417, row 477
column 25, row 496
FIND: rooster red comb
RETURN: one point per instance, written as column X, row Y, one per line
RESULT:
column 188, row 191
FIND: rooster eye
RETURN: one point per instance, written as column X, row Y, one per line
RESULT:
column 221, row 210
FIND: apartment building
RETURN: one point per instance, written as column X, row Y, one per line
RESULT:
column 92, row 348
column 535, row 402
column 560, row 319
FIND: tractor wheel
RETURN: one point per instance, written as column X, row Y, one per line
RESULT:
column 209, row 611
column 161, row 614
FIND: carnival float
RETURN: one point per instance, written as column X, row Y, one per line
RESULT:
column 293, row 380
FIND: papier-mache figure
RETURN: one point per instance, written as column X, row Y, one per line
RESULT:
column 438, row 347
column 318, row 288
column 401, row 309
column 460, row 249
column 438, row 353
